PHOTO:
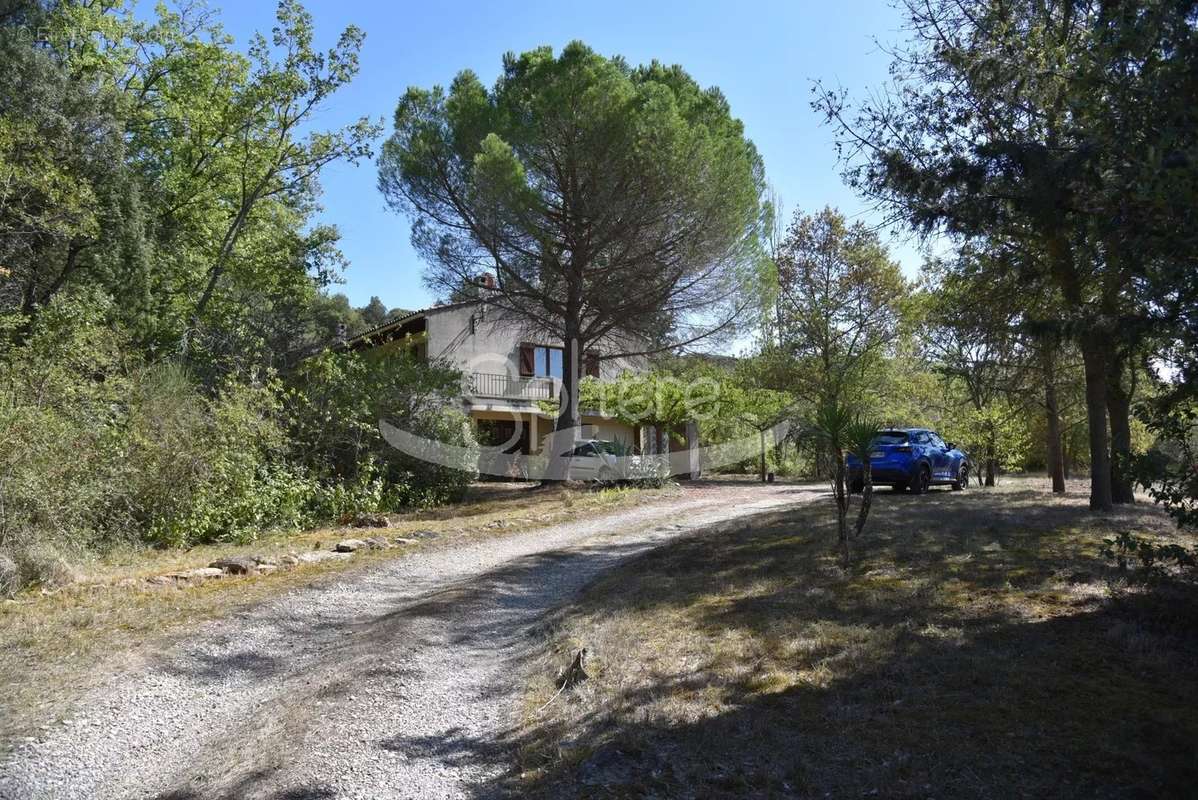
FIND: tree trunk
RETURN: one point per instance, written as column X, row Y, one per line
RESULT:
column 1094, row 347
column 867, row 496
column 762, row 433
column 1056, row 459
column 568, row 424
column 991, row 461
column 841, row 494
column 1118, row 403
column 1094, row 357
column 568, row 414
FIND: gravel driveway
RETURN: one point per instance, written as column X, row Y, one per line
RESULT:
column 394, row 683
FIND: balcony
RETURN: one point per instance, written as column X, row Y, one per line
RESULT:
column 488, row 384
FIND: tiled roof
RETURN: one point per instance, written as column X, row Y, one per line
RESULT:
column 399, row 321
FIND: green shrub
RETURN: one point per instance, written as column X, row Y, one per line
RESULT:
column 1141, row 559
column 365, row 492
column 420, row 484
column 97, row 447
column 209, row 469
column 336, row 403
column 1169, row 470
column 61, row 406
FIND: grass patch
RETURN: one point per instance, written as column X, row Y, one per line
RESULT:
column 55, row 645
column 979, row 647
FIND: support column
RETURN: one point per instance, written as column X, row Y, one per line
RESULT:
column 692, row 450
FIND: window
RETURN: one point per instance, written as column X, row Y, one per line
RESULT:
column 543, row 361
column 891, row 437
column 540, row 361
column 937, row 441
column 921, row 437
column 549, row 362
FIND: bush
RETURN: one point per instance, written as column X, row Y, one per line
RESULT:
column 336, row 403
column 367, row 492
column 209, row 469
column 10, row 576
column 1169, row 470
column 1152, row 561
column 420, row 484
column 61, row 393
column 97, row 447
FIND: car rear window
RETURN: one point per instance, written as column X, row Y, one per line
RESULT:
column 891, row 437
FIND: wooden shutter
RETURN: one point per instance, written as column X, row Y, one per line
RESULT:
column 591, row 362
column 527, row 360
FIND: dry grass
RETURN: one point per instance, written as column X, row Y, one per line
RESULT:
column 979, row 648
column 55, row 645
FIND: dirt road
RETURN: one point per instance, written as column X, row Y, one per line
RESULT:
column 396, row 683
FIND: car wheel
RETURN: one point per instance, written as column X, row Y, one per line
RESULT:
column 923, row 481
column 962, row 481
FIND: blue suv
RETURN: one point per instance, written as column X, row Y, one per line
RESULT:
column 911, row 458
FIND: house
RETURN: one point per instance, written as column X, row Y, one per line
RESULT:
column 507, row 374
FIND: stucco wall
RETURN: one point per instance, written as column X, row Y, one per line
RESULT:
column 493, row 346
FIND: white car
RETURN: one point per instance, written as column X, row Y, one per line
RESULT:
column 599, row 460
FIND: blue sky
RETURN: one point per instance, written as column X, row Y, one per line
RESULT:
column 762, row 55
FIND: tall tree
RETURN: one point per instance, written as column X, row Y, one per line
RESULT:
column 374, row 313
column 839, row 300
column 153, row 160
column 619, row 207
column 1048, row 124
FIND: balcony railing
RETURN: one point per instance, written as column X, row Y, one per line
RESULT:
column 488, row 384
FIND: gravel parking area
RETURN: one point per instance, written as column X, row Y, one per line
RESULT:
column 395, row 683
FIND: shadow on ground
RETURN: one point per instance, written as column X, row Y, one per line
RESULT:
column 974, row 651
column 486, row 616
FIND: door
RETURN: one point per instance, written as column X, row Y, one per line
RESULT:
column 584, row 463
column 942, row 462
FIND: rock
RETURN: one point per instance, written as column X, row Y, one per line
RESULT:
column 424, row 534
column 321, row 555
column 364, row 520
column 266, row 569
column 185, row 576
column 402, row 540
column 498, row 523
column 289, row 560
column 377, row 543
column 236, row 565
column 349, row 545
column 268, row 560
column 197, row 574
